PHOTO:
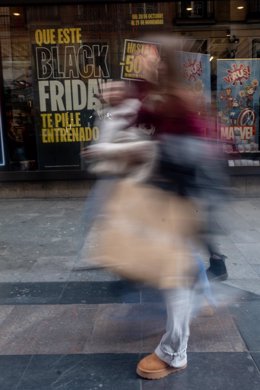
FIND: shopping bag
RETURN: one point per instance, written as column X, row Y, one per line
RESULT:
column 145, row 234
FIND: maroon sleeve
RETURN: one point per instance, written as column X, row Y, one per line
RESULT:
column 172, row 117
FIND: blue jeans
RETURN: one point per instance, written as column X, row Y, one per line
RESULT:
column 180, row 304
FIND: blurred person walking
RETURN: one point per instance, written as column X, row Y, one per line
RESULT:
column 188, row 168
column 162, row 103
column 199, row 166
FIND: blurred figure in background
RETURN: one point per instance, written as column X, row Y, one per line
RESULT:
column 199, row 166
column 187, row 166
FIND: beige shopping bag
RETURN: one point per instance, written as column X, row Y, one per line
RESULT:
column 145, row 235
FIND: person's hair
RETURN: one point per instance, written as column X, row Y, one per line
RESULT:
column 170, row 83
column 168, row 46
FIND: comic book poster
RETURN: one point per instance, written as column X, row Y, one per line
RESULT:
column 238, row 104
column 196, row 76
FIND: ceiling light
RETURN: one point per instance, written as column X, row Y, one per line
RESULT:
column 16, row 14
column 240, row 7
column 189, row 9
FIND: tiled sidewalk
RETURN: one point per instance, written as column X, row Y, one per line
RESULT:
column 71, row 329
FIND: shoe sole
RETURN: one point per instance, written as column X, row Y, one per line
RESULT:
column 159, row 374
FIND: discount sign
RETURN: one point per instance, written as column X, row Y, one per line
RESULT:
column 135, row 58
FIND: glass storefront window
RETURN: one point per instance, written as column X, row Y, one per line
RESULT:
column 55, row 60
column 18, row 89
column 195, row 9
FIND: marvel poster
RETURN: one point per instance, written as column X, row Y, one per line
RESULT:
column 238, row 104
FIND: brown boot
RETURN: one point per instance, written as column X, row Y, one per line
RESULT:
column 151, row 367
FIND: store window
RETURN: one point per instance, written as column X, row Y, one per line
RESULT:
column 256, row 48
column 52, row 75
column 253, row 9
column 18, row 89
column 200, row 9
column 55, row 61
column 146, row 7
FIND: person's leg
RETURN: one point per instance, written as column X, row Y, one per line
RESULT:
column 203, row 283
column 217, row 268
column 171, row 353
column 93, row 209
column 173, row 345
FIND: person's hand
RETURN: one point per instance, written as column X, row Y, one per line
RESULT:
column 91, row 152
column 114, row 92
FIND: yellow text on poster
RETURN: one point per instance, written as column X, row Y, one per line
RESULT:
column 52, row 36
column 146, row 19
column 66, row 127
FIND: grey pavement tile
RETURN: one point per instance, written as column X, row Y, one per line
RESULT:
column 247, row 209
column 238, row 187
column 37, row 277
column 246, row 317
column 117, row 329
column 153, row 322
column 127, row 328
column 249, row 285
column 118, row 291
column 3, row 248
column 221, row 236
column 30, row 229
column 256, row 267
column 22, row 263
column 217, row 333
column 113, row 328
column 81, row 274
column 255, row 225
column 50, row 269
column 41, row 205
column 215, row 371
column 151, row 295
column 68, row 293
column 256, row 358
column 25, row 251
column 100, row 292
column 31, row 293
column 73, row 372
column 230, row 220
column 255, row 201
column 252, row 186
column 139, row 328
column 13, row 276
column 251, row 252
column 244, row 235
column 227, row 295
column 12, row 370
column 229, row 249
column 241, row 271
column 46, row 329
column 5, row 312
